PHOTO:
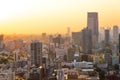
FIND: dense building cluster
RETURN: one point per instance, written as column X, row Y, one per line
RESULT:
column 90, row 54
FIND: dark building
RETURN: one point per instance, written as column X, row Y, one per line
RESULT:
column 36, row 53
column 86, row 41
column 76, row 36
column 115, row 34
column 70, row 55
column 119, row 43
column 107, row 37
column 108, row 56
column 58, row 40
column 92, row 24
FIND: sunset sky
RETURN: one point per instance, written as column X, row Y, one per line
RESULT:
column 54, row 16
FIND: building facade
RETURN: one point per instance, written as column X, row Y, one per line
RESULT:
column 76, row 36
column 115, row 34
column 86, row 41
column 92, row 24
column 36, row 53
column 107, row 37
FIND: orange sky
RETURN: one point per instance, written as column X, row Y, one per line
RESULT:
column 54, row 16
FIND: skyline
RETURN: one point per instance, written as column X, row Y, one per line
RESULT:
column 36, row 17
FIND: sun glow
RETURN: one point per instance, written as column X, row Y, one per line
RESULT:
column 37, row 16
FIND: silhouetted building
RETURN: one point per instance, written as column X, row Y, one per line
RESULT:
column 1, row 42
column 115, row 34
column 119, row 43
column 86, row 41
column 36, row 53
column 92, row 24
column 76, row 36
column 44, row 35
column 107, row 37
column 58, row 40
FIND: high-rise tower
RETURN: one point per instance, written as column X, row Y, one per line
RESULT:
column 86, row 41
column 92, row 24
column 36, row 53
column 107, row 37
column 115, row 34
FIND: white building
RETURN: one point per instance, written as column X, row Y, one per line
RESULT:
column 82, row 64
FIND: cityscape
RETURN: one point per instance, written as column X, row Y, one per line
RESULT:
column 32, row 49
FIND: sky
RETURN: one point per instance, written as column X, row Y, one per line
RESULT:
column 54, row 16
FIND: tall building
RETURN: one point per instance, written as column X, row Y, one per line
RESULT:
column 1, row 42
column 108, row 56
column 86, row 41
column 115, row 57
column 92, row 24
column 115, row 34
column 36, row 53
column 119, row 43
column 107, row 37
column 76, row 36
column 70, row 54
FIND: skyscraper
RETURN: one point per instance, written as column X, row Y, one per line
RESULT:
column 86, row 41
column 36, row 53
column 119, row 43
column 115, row 57
column 107, row 37
column 70, row 54
column 115, row 34
column 92, row 24
column 1, row 42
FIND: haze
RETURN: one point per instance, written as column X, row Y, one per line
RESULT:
column 54, row 16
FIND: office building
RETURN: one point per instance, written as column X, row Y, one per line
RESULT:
column 1, row 42
column 86, row 41
column 119, row 43
column 92, row 24
column 107, row 37
column 70, row 54
column 76, row 37
column 36, row 53
column 108, row 56
column 115, row 57
column 115, row 34
column 58, row 41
